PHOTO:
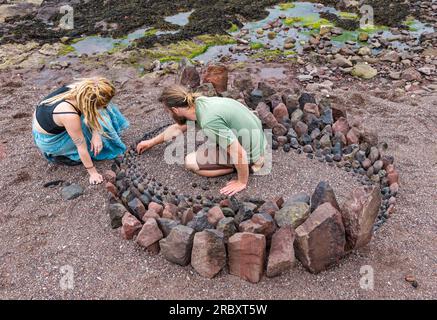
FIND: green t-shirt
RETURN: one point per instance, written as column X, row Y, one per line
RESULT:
column 225, row 120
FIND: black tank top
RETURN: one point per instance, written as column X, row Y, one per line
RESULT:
column 44, row 113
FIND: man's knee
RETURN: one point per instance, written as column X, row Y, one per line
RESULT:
column 191, row 162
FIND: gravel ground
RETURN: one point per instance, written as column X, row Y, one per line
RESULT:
column 40, row 233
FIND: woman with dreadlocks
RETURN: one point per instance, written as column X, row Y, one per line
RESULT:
column 78, row 124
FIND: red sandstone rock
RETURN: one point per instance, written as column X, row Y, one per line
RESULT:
column 111, row 189
column 208, row 256
column 341, row 125
column 156, row 207
column 215, row 214
column 270, row 207
column 109, row 176
column 301, row 128
column 190, row 77
column 359, row 213
column 149, row 234
column 187, row 216
column 225, row 203
column 261, row 223
column 154, row 248
column 312, row 108
column 281, row 257
column 320, row 239
column 280, row 112
column 130, row 226
column 394, row 188
column 393, row 177
column 218, row 76
column 170, row 211
column 279, row 201
column 150, row 214
column 353, row 136
column 246, row 255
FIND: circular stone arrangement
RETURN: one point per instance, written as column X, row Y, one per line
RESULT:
column 265, row 235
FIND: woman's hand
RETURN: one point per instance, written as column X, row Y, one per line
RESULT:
column 144, row 146
column 95, row 178
column 233, row 187
column 96, row 144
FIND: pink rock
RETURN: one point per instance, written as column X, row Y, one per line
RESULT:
column 156, row 207
column 392, row 177
column 149, row 234
column 353, row 136
column 187, row 216
column 281, row 257
column 262, row 223
column 366, row 163
column 359, row 213
column 208, row 256
column 246, row 255
column 170, row 211
column 109, row 176
column 341, row 125
column 320, row 240
column 150, row 214
column 111, row 189
column 130, row 226
column 394, row 188
column 280, row 112
column 215, row 214
column 301, row 128
column 270, row 207
column 218, row 76
column 312, row 108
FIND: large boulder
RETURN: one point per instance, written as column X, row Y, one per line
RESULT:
column 246, row 255
column 177, row 246
column 359, row 214
column 281, row 257
column 208, row 256
column 320, row 240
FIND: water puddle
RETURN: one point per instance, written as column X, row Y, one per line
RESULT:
column 180, row 19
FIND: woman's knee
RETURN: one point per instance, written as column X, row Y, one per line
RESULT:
column 191, row 162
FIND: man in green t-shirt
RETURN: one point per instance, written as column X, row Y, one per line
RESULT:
column 238, row 140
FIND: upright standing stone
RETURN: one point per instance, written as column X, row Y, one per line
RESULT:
column 320, row 240
column 246, row 255
column 323, row 193
column 359, row 214
column 281, row 257
column 149, row 234
column 208, row 256
column 177, row 246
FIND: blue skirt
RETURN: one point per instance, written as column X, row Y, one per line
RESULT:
column 52, row 145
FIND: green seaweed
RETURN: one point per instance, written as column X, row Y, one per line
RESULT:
column 188, row 48
column 312, row 22
column 348, row 15
column 66, row 49
column 286, row 5
column 270, row 55
column 256, row 45
column 346, row 36
column 150, row 32
column 233, row 28
column 292, row 20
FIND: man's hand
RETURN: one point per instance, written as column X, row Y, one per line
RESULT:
column 144, row 146
column 233, row 187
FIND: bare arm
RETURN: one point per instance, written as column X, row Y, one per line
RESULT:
column 167, row 135
column 73, row 126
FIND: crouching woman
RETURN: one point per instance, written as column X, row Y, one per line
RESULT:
column 78, row 124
